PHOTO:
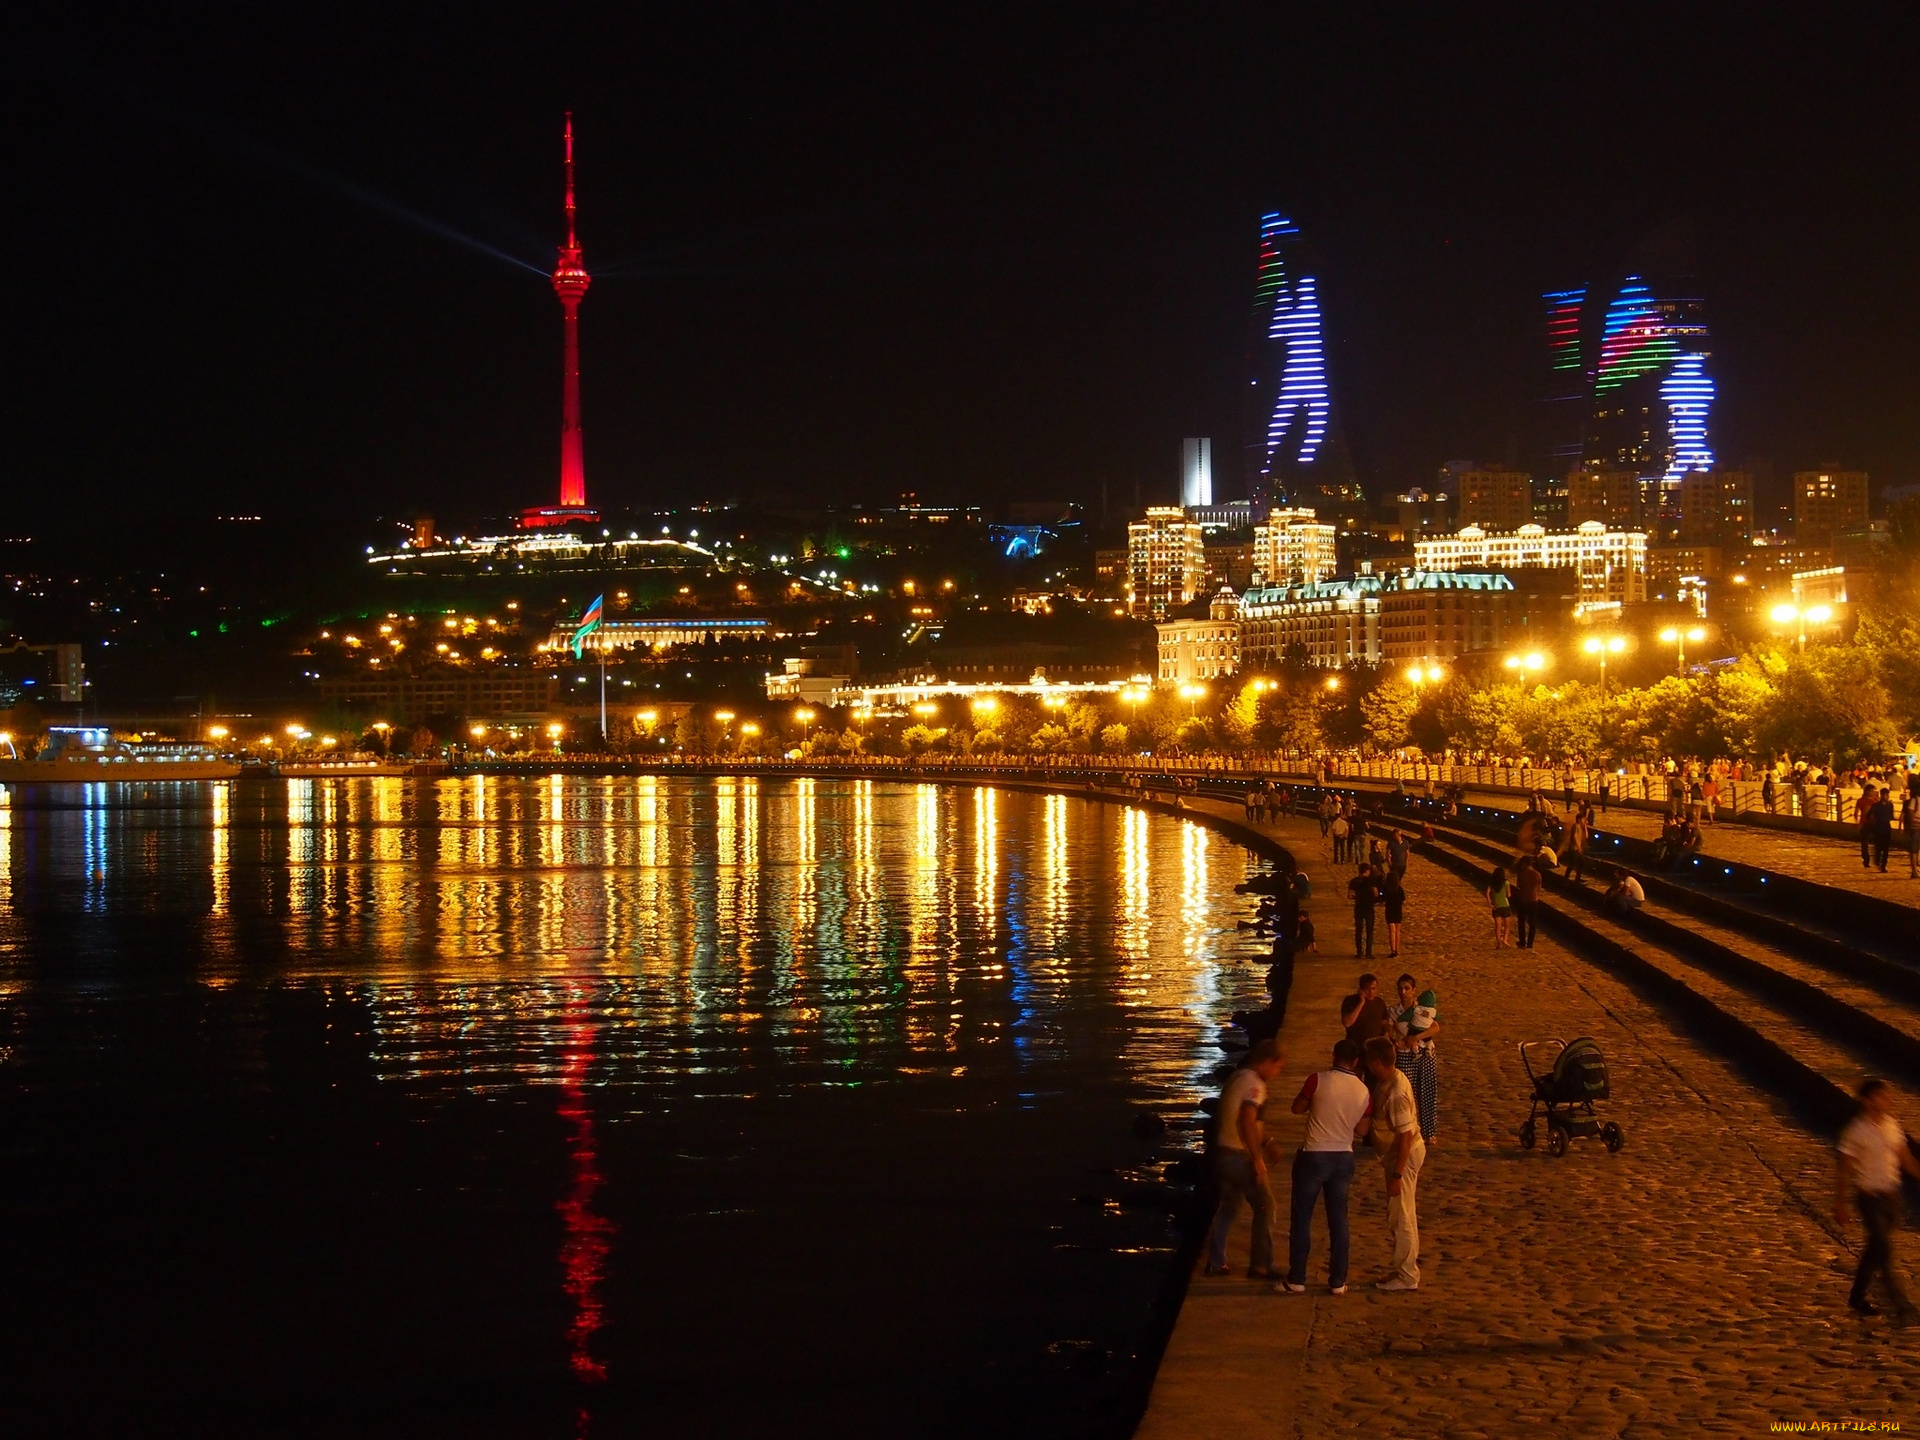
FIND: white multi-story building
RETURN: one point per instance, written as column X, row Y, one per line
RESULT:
column 1325, row 622
column 1293, row 548
column 1202, row 649
column 1610, row 566
column 1166, row 562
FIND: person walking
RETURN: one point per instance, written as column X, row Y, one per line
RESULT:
column 1574, row 853
column 1393, row 899
column 1872, row 1155
column 1240, row 1154
column 1880, row 827
column 1910, row 832
column 1396, row 1135
column 1500, row 896
column 1398, row 849
column 1340, row 830
column 1527, row 883
column 1415, row 1025
column 1606, row 792
column 1365, row 892
column 1862, row 811
column 1767, row 794
column 1364, row 1012
column 1338, row 1107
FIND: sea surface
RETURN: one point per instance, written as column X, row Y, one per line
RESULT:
column 597, row 1107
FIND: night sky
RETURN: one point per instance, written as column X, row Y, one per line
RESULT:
column 293, row 260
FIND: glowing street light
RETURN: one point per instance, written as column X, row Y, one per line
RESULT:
column 1811, row 615
column 554, row 732
column 1191, row 694
column 1677, row 637
column 1533, row 660
column 749, row 729
column 1425, row 674
column 984, row 704
column 479, row 732
column 1332, row 682
column 1601, row 646
column 926, row 709
column 214, row 732
column 725, row 717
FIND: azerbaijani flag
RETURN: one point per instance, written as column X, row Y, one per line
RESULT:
column 589, row 623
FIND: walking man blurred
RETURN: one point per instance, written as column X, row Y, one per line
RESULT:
column 1873, row 1154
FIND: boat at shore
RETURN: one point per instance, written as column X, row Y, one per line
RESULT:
column 342, row 767
column 82, row 755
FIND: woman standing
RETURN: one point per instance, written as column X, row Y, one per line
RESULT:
column 1393, row 894
column 1500, row 896
column 1416, row 1025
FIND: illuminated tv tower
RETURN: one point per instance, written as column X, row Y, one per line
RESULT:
column 570, row 283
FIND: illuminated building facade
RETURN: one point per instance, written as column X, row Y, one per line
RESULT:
column 1196, row 472
column 1495, row 499
column 1201, row 647
column 1289, row 402
column 1826, row 502
column 1716, row 507
column 1327, row 622
column 1443, row 615
column 1610, row 566
column 1617, row 499
column 661, row 634
column 1166, row 562
column 1293, row 548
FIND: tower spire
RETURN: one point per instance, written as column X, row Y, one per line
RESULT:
column 572, row 243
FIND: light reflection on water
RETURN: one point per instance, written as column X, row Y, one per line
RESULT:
column 860, row 926
column 615, row 947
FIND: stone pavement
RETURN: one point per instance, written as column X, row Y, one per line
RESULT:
column 1693, row 1283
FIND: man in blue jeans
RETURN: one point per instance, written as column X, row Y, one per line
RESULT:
column 1240, row 1162
column 1339, row 1110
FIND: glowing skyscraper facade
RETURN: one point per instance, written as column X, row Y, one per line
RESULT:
column 1629, row 360
column 1290, row 403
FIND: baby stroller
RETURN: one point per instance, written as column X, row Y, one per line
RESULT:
column 1566, row 1094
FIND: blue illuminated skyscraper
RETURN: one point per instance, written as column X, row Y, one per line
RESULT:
column 1289, row 402
column 1631, row 358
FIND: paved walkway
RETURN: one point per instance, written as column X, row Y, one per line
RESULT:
column 1694, row 1283
column 1818, row 858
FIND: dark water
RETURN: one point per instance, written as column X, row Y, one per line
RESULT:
column 594, row 1107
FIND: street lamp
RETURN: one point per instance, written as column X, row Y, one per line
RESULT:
column 926, row 709
column 1533, row 661
column 805, row 717
column 554, row 732
column 1191, row 694
column 214, row 732
column 1422, row 675
column 382, row 728
column 1602, row 646
column 1333, row 682
column 479, row 732
column 1678, row 638
column 1811, row 615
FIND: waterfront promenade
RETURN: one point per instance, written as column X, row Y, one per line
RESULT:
column 1693, row 1283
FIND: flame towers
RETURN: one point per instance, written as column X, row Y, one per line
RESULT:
column 570, row 281
column 1288, row 401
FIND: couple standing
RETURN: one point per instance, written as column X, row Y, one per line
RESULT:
column 1341, row 1108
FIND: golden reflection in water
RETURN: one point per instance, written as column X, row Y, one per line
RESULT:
column 1136, row 893
column 556, row 809
column 1194, row 899
column 1054, row 875
column 299, row 845
column 986, row 852
column 6, row 849
column 222, row 863
column 865, row 918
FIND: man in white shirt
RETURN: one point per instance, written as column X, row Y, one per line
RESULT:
column 1240, row 1162
column 1396, row 1134
column 1873, row 1153
column 1338, row 1107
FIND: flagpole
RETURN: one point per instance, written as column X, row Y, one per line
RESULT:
column 603, row 692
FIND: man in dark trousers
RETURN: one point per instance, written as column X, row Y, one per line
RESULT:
column 1873, row 1156
column 1338, row 1107
column 1527, row 883
column 1365, row 891
column 1879, row 828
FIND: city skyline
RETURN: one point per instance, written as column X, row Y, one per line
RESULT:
column 785, row 304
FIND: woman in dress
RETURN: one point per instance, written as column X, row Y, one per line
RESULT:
column 1416, row 1025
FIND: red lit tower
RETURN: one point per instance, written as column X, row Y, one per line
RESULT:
column 570, row 282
